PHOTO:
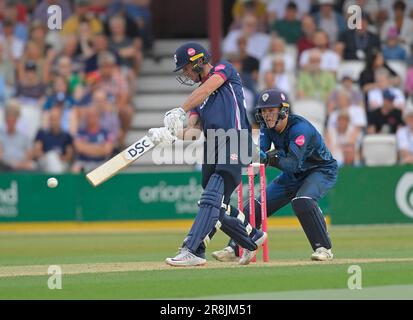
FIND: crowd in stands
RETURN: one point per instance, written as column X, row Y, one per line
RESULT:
column 356, row 80
column 66, row 95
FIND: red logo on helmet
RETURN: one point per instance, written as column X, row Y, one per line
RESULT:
column 191, row 52
column 300, row 140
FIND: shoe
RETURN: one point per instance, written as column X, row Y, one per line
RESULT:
column 248, row 255
column 225, row 255
column 322, row 254
column 185, row 258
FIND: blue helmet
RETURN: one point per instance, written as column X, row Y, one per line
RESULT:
column 272, row 98
column 192, row 53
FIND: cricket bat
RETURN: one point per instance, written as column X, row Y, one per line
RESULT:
column 120, row 161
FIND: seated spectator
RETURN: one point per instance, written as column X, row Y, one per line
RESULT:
column 375, row 61
column 53, row 148
column 313, row 82
column 241, row 8
column 249, row 67
column 73, row 79
column 404, row 137
column 100, row 44
column 346, row 85
column 11, row 13
column 31, row 89
column 14, row 46
column 34, row 55
column 306, row 41
column 330, row 60
column 288, row 28
column 330, row 21
column 81, row 14
column 408, row 86
column 7, row 76
column 15, row 148
column 375, row 95
column 130, row 50
column 356, row 113
column 279, row 78
column 277, row 49
column 386, row 119
column 257, row 42
column 392, row 50
column 343, row 140
column 93, row 145
column 276, row 9
column 115, row 85
column 71, row 49
column 355, row 44
column 402, row 23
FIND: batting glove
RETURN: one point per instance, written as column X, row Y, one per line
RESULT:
column 161, row 135
column 174, row 120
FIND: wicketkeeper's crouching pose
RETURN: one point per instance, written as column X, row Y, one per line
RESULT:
column 217, row 104
column 308, row 172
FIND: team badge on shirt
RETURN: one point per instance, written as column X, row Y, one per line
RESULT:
column 300, row 140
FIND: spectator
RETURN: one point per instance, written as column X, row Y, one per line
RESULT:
column 276, row 9
column 392, row 50
column 408, row 86
column 116, row 86
column 7, row 75
column 40, row 12
column 375, row 95
column 375, row 61
column 13, row 45
column 100, row 44
column 313, row 82
column 73, row 79
column 356, row 113
column 11, row 14
column 15, row 148
column 331, row 22
column 72, row 50
column 386, row 119
column 405, row 138
column 257, row 42
column 72, row 24
column 330, row 60
column 53, row 148
column 402, row 23
column 386, row 10
column 249, row 67
column 130, row 50
column 241, row 8
column 93, row 145
column 355, row 44
column 343, row 140
column 308, row 28
column 279, row 78
column 277, row 49
column 31, row 89
column 346, row 85
column 288, row 28
column 34, row 55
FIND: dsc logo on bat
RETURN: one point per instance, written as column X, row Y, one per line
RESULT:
column 138, row 148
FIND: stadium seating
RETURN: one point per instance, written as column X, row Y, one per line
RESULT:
column 351, row 68
column 379, row 149
column 400, row 68
column 313, row 110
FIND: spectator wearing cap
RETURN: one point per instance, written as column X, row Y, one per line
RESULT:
column 404, row 137
column 306, row 41
column 93, row 145
column 330, row 21
column 355, row 44
column 53, row 148
column 343, row 140
column 257, row 42
column 82, row 15
column 289, row 27
column 16, row 151
column 386, row 119
column 402, row 23
column 330, row 60
column 375, row 95
column 346, row 85
column 392, row 50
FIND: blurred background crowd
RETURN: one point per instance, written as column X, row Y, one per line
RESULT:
column 66, row 96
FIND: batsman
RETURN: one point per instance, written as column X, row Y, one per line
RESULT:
column 308, row 172
column 217, row 108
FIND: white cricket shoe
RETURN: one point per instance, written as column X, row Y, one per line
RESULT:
column 248, row 255
column 322, row 254
column 185, row 258
column 225, row 255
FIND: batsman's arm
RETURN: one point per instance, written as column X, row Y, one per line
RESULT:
column 193, row 129
column 204, row 91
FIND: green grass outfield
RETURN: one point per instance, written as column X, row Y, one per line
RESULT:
column 129, row 265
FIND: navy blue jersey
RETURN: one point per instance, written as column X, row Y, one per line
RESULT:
column 301, row 148
column 226, row 107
